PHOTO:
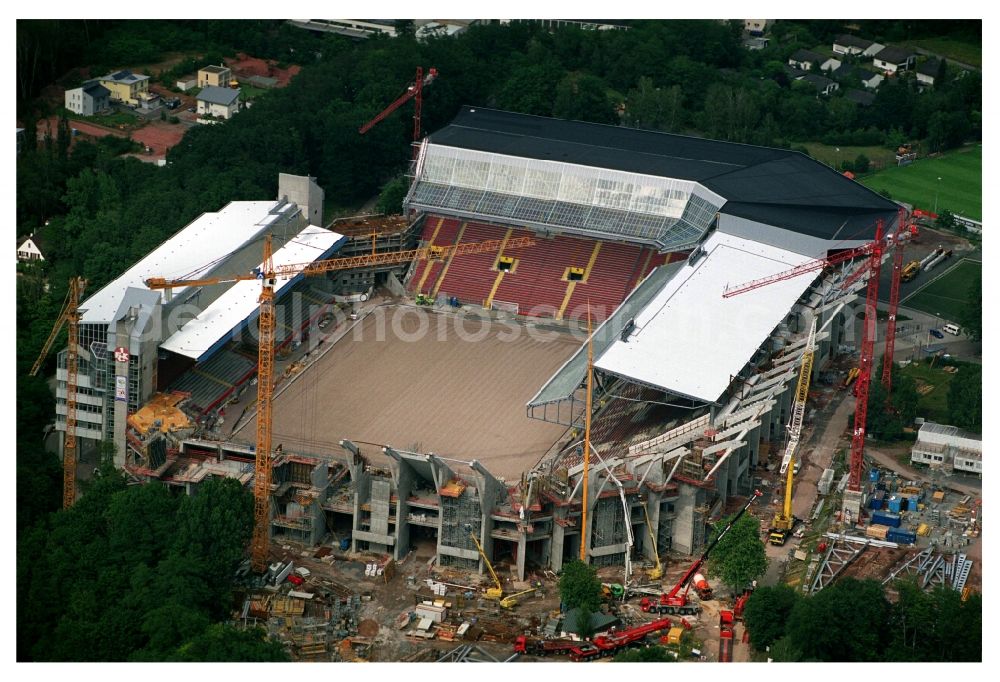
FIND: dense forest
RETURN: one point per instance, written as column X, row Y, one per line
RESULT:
column 102, row 212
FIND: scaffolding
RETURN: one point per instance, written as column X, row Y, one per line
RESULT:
column 456, row 515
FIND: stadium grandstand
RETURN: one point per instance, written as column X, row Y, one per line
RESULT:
column 388, row 446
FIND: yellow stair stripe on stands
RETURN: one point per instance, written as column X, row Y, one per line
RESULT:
column 444, row 272
column 590, row 263
column 493, row 291
column 203, row 373
column 427, row 264
column 570, row 286
column 503, row 244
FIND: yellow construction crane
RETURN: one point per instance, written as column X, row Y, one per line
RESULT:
column 70, row 316
column 510, row 601
column 656, row 572
column 269, row 274
column 784, row 522
column 491, row 592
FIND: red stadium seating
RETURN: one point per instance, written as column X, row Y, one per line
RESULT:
column 537, row 283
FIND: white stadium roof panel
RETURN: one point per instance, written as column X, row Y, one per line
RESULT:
column 691, row 341
column 191, row 252
column 241, row 301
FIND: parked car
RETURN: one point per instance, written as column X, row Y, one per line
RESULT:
column 937, row 334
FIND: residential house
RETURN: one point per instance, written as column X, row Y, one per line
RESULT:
column 214, row 76
column 831, row 64
column 127, row 87
column 757, row 27
column 823, row 85
column 88, row 99
column 854, row 46
column 949, row 448
column 863, row 99
column 793, row 73
column 868, row 79
column 30, row 248
column 187, row 83
column 893, row 59
column 805, row 59
column 218, row 102
column 930, row 71
column 756, row 43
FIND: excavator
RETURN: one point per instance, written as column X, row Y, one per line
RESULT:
column 491, row 592
column 676, row 601
column 784, row 523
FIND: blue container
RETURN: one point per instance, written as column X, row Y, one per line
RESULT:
column 874, row 503
column 873, row 475
column 903, row 537
column 345, row 544
column 883, row 518
column 895, row 504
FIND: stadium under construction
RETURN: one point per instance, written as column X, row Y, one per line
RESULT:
column 397, row 424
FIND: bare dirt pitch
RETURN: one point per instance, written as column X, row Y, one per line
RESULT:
column 426, row 381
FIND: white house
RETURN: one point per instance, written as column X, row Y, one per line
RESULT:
column 870, row 80
column 805, row 59
column 893, row 59
column 30, row 248
column 823, row 85
column 218, row 102
column 930, row 71
column 853, row 45
column 187, row 83
column 757, row 27
column 830, row 64
column 948, row 447
column 88, row 99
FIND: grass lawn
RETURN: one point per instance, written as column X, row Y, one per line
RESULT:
column 250, row 92
column 947, row 295
column 933, row 406
column 109, row 121
column 961, row 184
column 967, row 53
column 878, row 155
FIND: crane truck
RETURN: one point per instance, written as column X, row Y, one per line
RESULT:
column 676, row 601
column 602, row 645
column 491, row 592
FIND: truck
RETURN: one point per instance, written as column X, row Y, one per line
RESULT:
column 676, row 601
column 602, row 645
column 910, row 270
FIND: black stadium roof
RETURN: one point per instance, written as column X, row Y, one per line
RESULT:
column 775, row 186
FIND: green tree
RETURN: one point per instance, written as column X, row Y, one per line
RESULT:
column 947, row 129
column 818, row 625
column 583, row 97
column 579, row 587
column 965, row 398
column 971, row 316
column 861, row 164
column 945, row 220
column 647, row 654
column 390, row 200
column 225, row 643
column 739, row 558
column 766, row 614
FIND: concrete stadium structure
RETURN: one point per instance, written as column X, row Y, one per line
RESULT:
column 689, row 386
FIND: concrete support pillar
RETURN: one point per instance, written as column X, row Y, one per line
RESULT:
column 403, row 477
column 522, row 549
column 558, row 540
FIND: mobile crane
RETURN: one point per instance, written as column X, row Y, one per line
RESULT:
column 268, row 274
column 70, row 316
column 676, row 601
column 784, row 522
column 491, row 592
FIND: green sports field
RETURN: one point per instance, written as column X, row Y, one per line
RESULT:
column 947, row 295
column 961, row 184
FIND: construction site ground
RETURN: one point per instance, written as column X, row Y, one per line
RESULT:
column 459, row 394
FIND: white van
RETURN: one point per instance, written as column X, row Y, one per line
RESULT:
column 952, row 329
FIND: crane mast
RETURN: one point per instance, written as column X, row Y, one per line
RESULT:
column 890, row 329
column 414, row 92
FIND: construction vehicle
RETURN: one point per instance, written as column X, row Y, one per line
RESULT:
column 614, row 591
column 70, row 316
column 510, row 601
column 543, row 647
column 911, row 270
column 852, row 374
column 491, row 592
column 676, row 601
column 423, row 299
column 656, row 572
column 727, row 624
column 615, row 641
column 268, row 274
column 784, row 522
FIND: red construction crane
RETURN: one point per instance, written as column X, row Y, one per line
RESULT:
column 676, row 601
column 414, row 91
column 890, row 331
column 873, row 252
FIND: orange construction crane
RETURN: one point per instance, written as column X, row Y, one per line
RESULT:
column 269, row 274
column 69, row 315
